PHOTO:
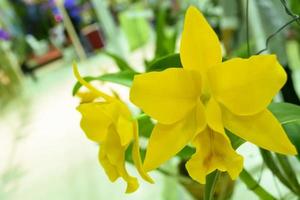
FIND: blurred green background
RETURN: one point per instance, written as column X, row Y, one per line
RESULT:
column 43, row 153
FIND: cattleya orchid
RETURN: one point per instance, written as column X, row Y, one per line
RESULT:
column 109, row 122
column 196, row 103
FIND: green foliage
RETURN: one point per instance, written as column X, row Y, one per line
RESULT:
column 121, row 63
column 235, row 140
column 123, row 77
column 293, row 131
column 211, row 180
column 162, row 63
column 9, row 181
column 165, row 43
column 286, row 113
column 135, row 26
column 279, row 170
column 289, row 116
column 186, row 152
column 145, row 126
column 252, row 184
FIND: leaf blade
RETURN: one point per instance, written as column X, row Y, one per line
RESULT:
column 159, row 64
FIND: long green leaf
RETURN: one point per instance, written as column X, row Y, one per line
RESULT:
column 235, row 140
column 186, row 152
column 121, row 63
column 123, row 78
column 285, row 112
column 289, row 116
column 172, row 60
column 293, row 132
column 160, row 32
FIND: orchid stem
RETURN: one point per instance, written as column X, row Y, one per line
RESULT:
column 211, row 181
column 253, row 185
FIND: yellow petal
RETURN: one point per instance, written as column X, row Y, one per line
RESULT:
column 200, row 47
column 114, row 172
column 94, row 121
column 200, row 116
column 132, row 182
column 247, row 86
column 125, row 130
column 262, row 129
column 214, row 116
column 112, row 145
column 166, row 96
column 86, row 97
column 109, row 169
column 115, row 154
column 167, row 140
column 213, row 151
column 137, row 157
column 123, row 121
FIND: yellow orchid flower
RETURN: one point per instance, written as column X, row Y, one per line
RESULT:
column 109, row 123
column 195, row 103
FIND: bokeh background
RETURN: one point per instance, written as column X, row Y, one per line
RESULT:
column 43, row 153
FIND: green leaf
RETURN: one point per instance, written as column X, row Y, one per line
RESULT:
column 186, row 152
column 293, row 131
column 172, row 60
column 145, row 126
column 235, row 140
column 285, row 112
column 128, row 153
column 289, row 116
column 121, row 63
column 160, row 32
column 123, row 78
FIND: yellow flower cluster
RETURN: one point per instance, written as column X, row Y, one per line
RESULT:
column 192, row 105
column 107, row 121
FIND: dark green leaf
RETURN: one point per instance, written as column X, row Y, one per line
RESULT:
column 186, row 152
column 235, row 140
column 160, row 50
column 172, row 60
column 128, row 153
column 165, row 36
column 123, row 78
column 285, row 112
column 293, row 131
column 121, row 63
column 145, row 126
column 289, row 116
